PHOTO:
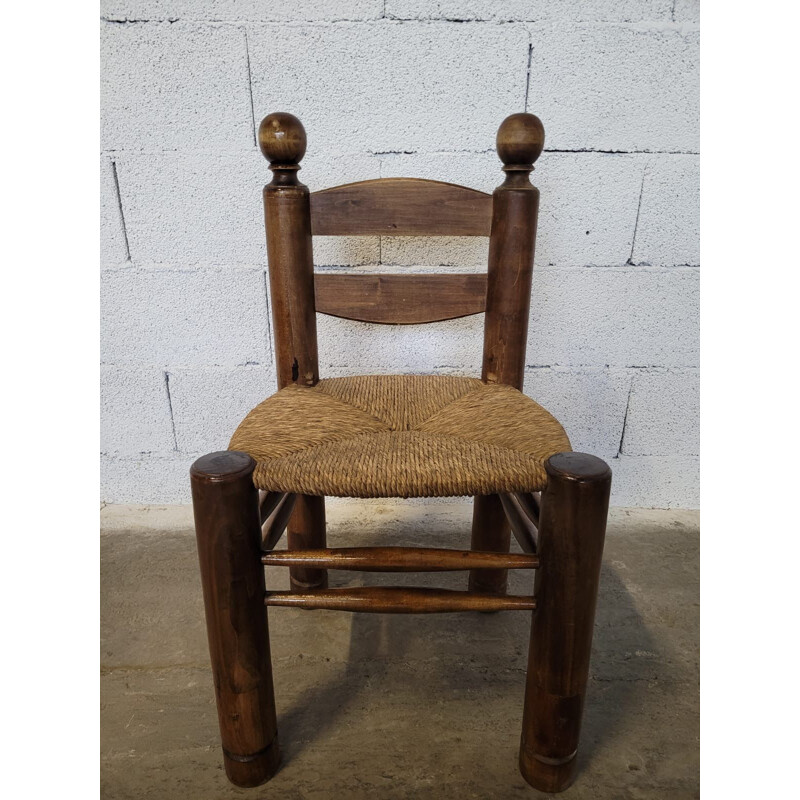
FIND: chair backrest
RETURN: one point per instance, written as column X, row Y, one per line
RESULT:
column 400, row 207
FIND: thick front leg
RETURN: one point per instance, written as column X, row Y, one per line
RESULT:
column 490, row 531
column 229, row 545
column 572, row 528
column 306, row 531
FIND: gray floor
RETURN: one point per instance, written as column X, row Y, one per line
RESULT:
column 382, row 706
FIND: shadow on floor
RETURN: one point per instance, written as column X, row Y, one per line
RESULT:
column 456, row 671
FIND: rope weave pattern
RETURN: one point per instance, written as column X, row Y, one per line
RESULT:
column 400, row 436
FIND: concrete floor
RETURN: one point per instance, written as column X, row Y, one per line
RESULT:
column 395, row 706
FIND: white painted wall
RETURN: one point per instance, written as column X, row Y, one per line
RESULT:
column 385, row 88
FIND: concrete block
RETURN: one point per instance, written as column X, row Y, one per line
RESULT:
column 587, row 211
column 686, row 11
column 616, row 87
column 663, row 414
column 595, row 317
column 656, row 481
column 208, row 404
column 589, row 403
column 113, row 248
column 194, row 209
column 463, row 253
column 358, row 348
column 625, row 317
column 668, row 231
column 481, row 171
column 174, row 86
column 588, row 206
column 208, row 209
column 391, row 86
column 184, row 318
column 532, row 10
column 243, row 10
column 134, row 412
column 150, row 479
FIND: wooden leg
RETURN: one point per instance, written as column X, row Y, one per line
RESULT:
column 229, row 545
column 490, row 531
column 306, row 531
column 571, row 533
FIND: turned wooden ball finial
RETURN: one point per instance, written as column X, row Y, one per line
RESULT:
column 282, row 139
column 520, row 140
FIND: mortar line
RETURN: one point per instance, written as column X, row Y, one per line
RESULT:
column 250, row 88
column 625, row 419
column 171, row 414
column 380, row 175
column 121, row 212
column 111, row 151
column 575, row 150
column 629, row 262
column 528, row 74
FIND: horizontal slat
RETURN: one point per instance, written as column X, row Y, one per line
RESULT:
column 400, row 299
column 398, row 559
column 399, row 600
column 401, row 207
column 521, row 525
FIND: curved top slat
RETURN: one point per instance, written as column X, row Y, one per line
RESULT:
column 401, row 207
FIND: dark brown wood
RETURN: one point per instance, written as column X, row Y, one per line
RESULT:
column 291, row 265
column 490, row 531
column 307, row 532
column 571, row 517
column 400, row 299
column 530, row 503
column 511, row 245
column 267, row 503
column 274, row 526
column 228, row 531
column 571, row 533
column 399, row 600
column 287, row 215
column 515, row 205
column 523, row 529
column 400, row 207
column 398, row 559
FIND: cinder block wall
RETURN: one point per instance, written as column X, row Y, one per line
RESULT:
column 386, row 88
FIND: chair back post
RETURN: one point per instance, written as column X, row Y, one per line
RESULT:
column 287, row 218
column 520, row 141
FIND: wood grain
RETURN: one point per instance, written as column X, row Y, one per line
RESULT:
column 530, row 503
column 399, row 600
column 400, row 299
column 228, row 529
column 401, row 207
column 490, row 531
column 398, row 559
column 571, row 534
column 273, row 527
column 515, row 205
column 521, row 525
column 267, row 503
column 306, row 531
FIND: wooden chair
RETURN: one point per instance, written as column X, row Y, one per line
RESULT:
column 401, row 436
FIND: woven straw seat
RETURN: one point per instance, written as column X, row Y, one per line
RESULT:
column 400, row 436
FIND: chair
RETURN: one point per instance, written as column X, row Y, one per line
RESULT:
column 401, row 436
